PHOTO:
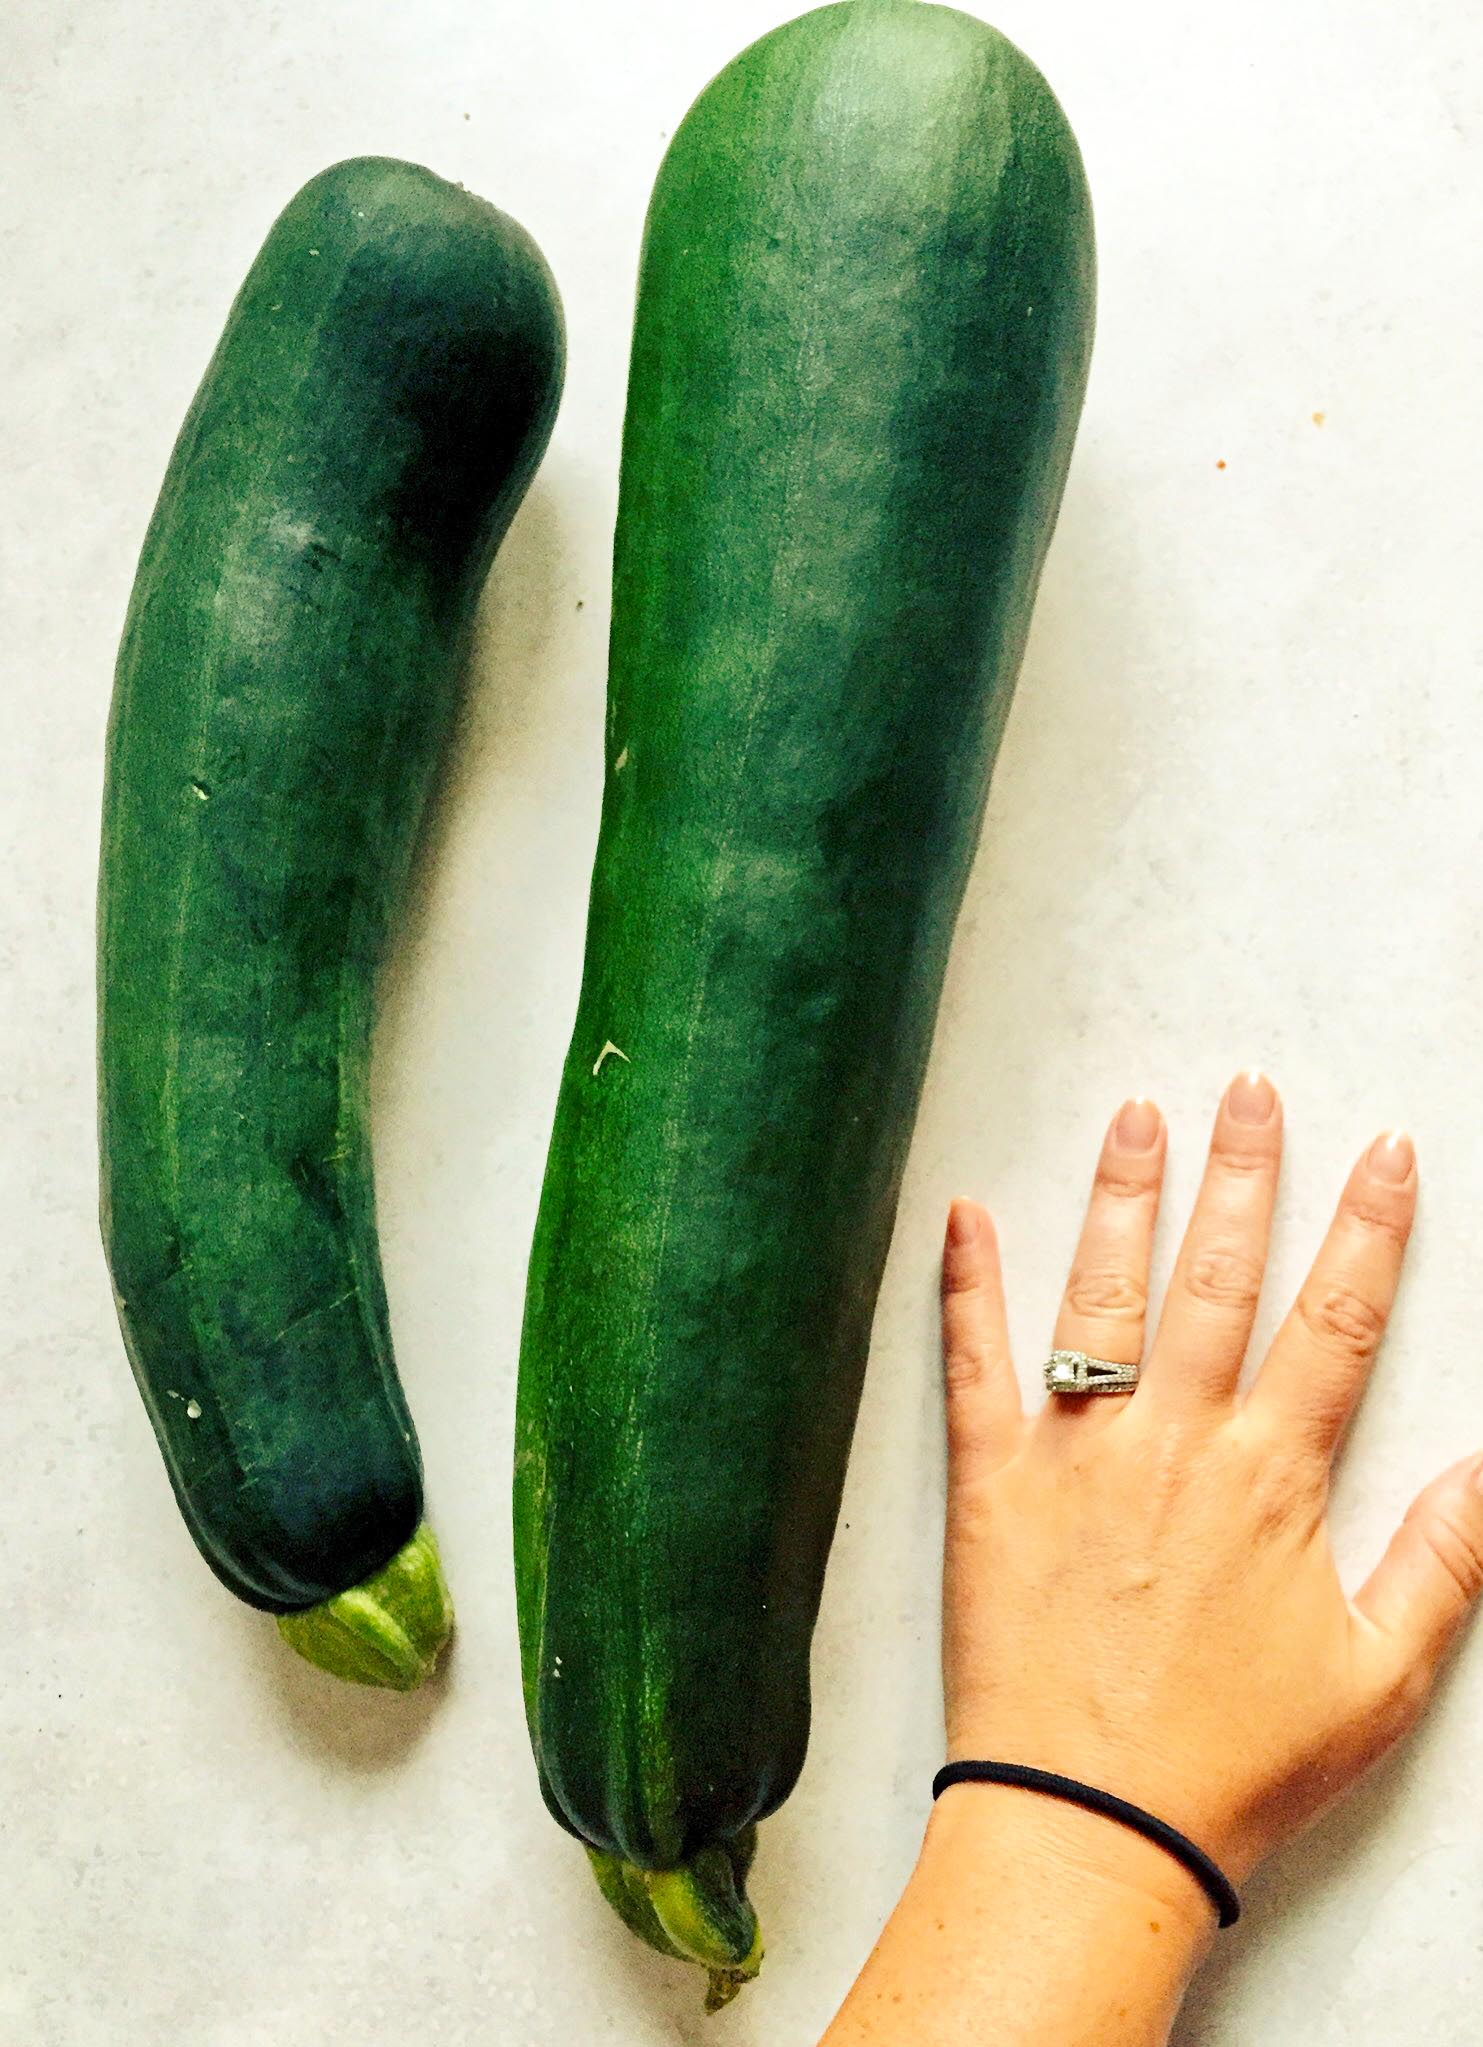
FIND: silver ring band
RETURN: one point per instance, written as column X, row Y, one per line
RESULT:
column 1073, row 1372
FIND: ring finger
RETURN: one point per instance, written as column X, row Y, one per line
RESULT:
column 1105, row 1303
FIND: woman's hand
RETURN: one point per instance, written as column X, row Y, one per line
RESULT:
column 1140, row 1594
column 1140, row 1591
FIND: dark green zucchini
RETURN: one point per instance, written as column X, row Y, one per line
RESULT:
column 290, row 667
column 864, row 320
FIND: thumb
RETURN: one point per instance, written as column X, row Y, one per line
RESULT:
column 1429, row 1579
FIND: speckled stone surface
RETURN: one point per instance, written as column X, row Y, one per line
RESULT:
column 1236, row 819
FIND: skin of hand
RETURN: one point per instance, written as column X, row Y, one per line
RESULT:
column 1139, row 1592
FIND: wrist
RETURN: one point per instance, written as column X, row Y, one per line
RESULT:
column 1071, row 1860
column 1027, row 1922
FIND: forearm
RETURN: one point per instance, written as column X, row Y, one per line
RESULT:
column 1028, row 1923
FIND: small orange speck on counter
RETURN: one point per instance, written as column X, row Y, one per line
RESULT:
column 1220, row 465
column 1318, row 418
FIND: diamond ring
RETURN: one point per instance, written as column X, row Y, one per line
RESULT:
column 1073, row 1372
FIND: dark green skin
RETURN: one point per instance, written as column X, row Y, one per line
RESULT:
column 290, row 668
column 864, row 319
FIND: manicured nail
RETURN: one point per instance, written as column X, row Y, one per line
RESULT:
column 1392, row 1157
column 962, row 1223
column 1251, row 1098
column 1137, row 1125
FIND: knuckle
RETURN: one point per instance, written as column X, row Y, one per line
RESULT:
column 970, row 1439
column 971, row 1519
column 1224, row 1277
column 964, row 1366
column 1124, row 1183
column 1458, row 1548
column 1097, row 1291
column 958, row 1285
column 1340, row 1318
column 1242, row 1161
column 1380, row 1219
column 1286, row 1495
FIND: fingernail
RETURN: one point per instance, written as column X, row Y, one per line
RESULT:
column 962, row 1223
column 1478, row 1476
column 1251, row 1098
column 1137, row 1125
column 1392, row 1157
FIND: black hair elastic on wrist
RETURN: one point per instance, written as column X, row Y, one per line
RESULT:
column 1211, row 1879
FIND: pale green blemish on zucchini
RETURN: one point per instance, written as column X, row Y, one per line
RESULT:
column 704, row 1911
column 623, row 1887
column 388, row 1631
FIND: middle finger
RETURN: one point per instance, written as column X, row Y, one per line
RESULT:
column 1212, row 1299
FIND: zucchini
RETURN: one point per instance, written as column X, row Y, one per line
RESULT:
column 290, row 667
column 862, row 337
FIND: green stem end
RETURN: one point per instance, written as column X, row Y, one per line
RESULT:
column 387, row 1631
column 698, row 1912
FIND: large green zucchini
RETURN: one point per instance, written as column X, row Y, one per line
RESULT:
column 864, row 317
column 289, row 671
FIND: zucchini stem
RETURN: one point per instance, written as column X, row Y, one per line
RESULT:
column 698, row 1912
column 389, row 1630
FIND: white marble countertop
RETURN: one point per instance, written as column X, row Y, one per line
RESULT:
column 1237, row 818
